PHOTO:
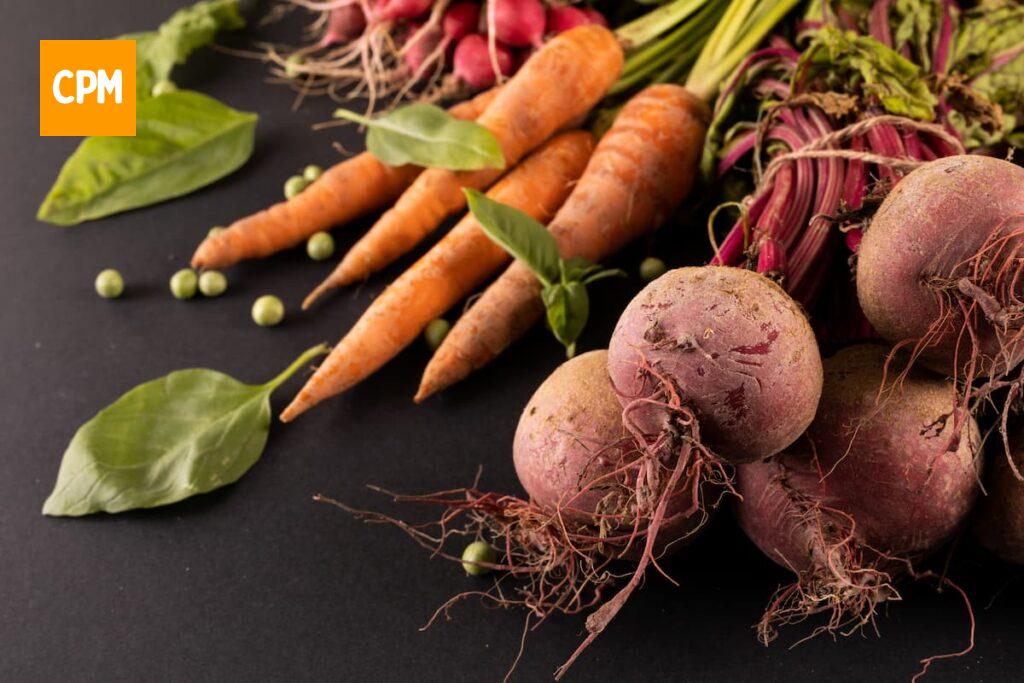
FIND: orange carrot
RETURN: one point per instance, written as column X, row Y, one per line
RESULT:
column 447, row 273
column 557, row 85
column 640, row 172
column 346, row 191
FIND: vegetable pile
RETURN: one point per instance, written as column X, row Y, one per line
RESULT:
column 864, row 149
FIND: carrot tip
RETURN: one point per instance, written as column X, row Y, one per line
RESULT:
column 321, row 289
column 292, row 411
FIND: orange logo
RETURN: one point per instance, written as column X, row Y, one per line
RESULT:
column 87, row 87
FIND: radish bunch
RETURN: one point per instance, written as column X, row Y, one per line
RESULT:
column 384, row 48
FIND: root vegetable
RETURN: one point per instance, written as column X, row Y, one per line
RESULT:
column 417, row 51
column 343, row 24
column 460, row 19
column 999, row 519
column 734, row 345
column 871, row 489
column 472, row 62
column 519, row 23
column 392, row 10
column 567, row 17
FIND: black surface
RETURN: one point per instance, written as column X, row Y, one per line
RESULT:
column 257, row 581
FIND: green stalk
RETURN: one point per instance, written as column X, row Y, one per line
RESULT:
column 744, row 25
column 654, row 23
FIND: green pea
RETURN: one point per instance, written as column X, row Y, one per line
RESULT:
column 478, row 551
column 267, row 311
column 212, row 283
column 183, row 284
column 109, row 284
column 163, row 87
column 435, row 332
column 320, row 246
column 216, row 230
column 652, row 268
column 291, row 66
column 294, row 185
column 312, row 172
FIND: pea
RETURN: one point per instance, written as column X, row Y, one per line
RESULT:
column 435, row 332
column 267, row 311
column 291, row 66
column 294, row 185
column 478, row 551
column 652, row 268
column 183, row 284
column 312, row 172
column 320, row 246
column 163, row 87
column 212, row 283
column 109, row 284
column 216, row 230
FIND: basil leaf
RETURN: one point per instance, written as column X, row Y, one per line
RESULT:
column 518, row 234
column 184, row 140
column 426, row 135
column 157, row 52
column 188, row 432
column 568, row 307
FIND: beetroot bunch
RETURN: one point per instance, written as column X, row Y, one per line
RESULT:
column 384, row 48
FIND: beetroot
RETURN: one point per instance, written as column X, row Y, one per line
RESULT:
column 472, row 62
column 871, row 489
column 999, row 519
column 519, row 23
column 736, row 348
column 939, row 270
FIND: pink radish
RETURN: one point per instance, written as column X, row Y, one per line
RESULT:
column 561, row 19
column 519, row 23
column 426, row 42
column 391, row 10
column 596, row 17
column 460, row 20
column 344, row 24
column 472, row 62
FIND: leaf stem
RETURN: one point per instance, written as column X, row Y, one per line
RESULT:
column 318, row 350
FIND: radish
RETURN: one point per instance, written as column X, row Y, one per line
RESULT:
column 472, row 62
column 562, row 19
column 939, row 271
column 421, row 48
column 732, row 345
column 871, row 489
column 344, row 23
column 519, row 23
column 393, row 10
column 461, row 19
column 999, row 519
column 595, row 16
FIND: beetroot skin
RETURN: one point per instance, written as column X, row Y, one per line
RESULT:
column 736, row 347
column 999, row 519
column 870, row 488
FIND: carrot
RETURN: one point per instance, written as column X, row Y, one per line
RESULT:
column 640, row 172
column 556, row 86
column 346, row 191
column 447, row 273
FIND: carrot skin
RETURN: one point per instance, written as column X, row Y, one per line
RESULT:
column 585, row 62
column 640, row 172
column 455, row 266
column 352, row 188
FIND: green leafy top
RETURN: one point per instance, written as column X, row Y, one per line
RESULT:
column 564, row 281
column 157, row 52
column 188, row 432
column 426, row 135
column 845, row 59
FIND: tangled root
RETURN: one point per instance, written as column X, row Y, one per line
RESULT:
column 554, row 563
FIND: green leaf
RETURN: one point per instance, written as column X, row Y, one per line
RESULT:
column 184, row 140
column 189, row 432
column 845, row 58
column 568, row 307
column 518, row 234
column 426, row 135
column 157, row 52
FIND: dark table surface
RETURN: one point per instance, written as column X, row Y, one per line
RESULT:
column 257, row 580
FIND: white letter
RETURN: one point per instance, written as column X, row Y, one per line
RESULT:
column 61, row 75
column 85, row 83
column 110, row 85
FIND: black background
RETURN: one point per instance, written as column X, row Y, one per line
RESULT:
column 259, row 581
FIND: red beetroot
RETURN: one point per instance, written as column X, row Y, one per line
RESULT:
column 472, row 62
column 870, row 489
column 519, row 23
column 343, row 24
column 999, row 519
column 733, row 345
